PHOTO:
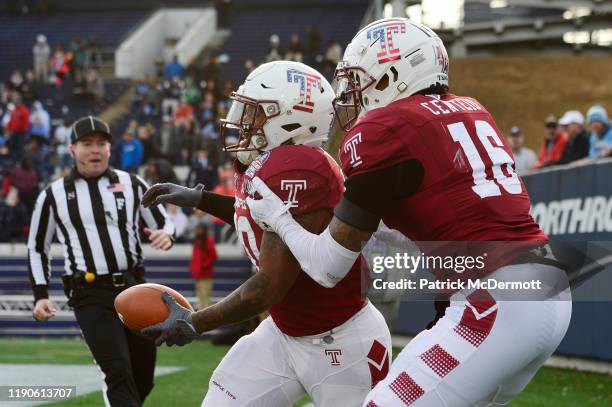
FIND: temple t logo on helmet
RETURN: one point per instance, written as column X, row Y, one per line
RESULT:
column 384, row 34
column 306, row 83
column 388, row 60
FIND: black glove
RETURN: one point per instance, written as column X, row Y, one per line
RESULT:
column 173, row 194
column 177, row 329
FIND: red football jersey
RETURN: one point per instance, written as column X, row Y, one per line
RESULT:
column 310, row 179
column 469, row 191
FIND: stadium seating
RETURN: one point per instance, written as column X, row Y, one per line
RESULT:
column 251, row 31
column 18, row 33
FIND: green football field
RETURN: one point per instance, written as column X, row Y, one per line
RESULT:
column 551, row 387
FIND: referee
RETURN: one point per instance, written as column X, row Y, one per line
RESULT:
column 95, row 212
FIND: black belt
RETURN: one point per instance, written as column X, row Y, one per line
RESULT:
column 539, row 255
column 119, row 280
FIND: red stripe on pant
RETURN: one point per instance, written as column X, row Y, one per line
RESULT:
column 406, row 388
column 474, row 328
column 439, row 360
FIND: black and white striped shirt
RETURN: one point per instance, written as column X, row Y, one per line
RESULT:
column 95, row 220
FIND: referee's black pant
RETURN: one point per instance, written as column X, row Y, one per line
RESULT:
column 126, row 359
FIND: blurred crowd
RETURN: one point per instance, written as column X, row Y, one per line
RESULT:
column 171, row 131
column 571, row 140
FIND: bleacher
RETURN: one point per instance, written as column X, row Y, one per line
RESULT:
column 252, row 27
column 18, row 32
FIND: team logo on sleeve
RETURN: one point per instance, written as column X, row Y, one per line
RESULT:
column 293, row 186
column 384, row 33
column 350, row 147
column 306, row 82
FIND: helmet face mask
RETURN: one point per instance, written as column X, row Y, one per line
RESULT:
column 349, row 87
column 248, row 116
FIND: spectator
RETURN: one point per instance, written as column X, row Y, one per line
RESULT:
column 275, row 53
column 524, row 158
column 554, row 145
column 40, row 122
column 201, row 266
column 93, row 53
column 187, row 137
column 601, row 133
column 148, row 143
column 193, row 93
column 171, row 92
column 160, row 170
column 131, row 152
column 16, row 80
column 173, row 69
column 94, row 84
column 212, row 70
column 6, row 162
column 13, row 216
column 38, row 153
column 249, row 66
column 577, row 139
column 17, row 127
column 202, row 171
column 61, row 139
column 24, row 178
column 59, row 66
column 178, row 217
column 77, row 49
column 333, row 55
column 41, row 53
column 295, row 51
column 313, row 42
column 29, row 87
column 167, row 143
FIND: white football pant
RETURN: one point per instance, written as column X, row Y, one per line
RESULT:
column 485, row 350
column 270, row 369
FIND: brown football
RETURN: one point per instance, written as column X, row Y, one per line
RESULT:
column 142, row 305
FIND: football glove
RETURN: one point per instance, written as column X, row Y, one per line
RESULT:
column 177, row 329
column 169, row 193
column 269, row 211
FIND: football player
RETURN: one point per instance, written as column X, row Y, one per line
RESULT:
column 435, row 167
column 330, row 343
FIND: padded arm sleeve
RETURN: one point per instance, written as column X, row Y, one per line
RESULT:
column 320, row 256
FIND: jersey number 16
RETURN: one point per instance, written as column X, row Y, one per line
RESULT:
column 483, row 186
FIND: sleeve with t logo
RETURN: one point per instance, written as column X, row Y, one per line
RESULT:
column 371, row 146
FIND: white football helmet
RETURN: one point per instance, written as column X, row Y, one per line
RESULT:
column 279, row 102
column 390, row 59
